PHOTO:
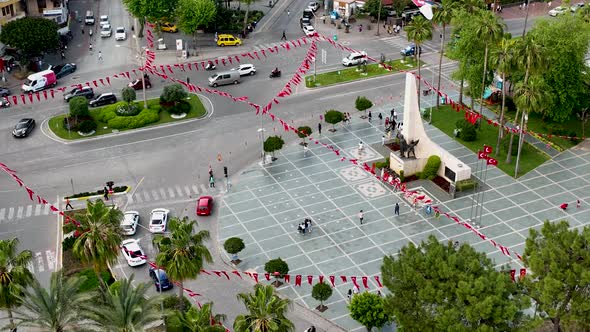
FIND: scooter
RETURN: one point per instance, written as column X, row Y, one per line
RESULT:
column 4, row 103
column 274, row 74
column 210, row 66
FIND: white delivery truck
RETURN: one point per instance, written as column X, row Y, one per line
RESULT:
column 39, row 81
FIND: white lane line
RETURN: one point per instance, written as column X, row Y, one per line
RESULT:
column 38, row 209
column 155, row 195
column 46, row 210
column 19, row 214
column 51, row 262
column 195, row 189
column 29, row 211
column 171, row 193
column 2, row 212
column 129, row 199
column 40, row 263
column 146, row 195
column 178, row 190
column 138, row 198
column 187, row 190
column 10, row 213
column 162, row 193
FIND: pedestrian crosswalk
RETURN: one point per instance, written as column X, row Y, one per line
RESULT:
column 396, row 41
column 170, row 193
column 43, row 261
column 25, row 211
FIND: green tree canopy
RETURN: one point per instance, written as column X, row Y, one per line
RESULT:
column 195, row 14
column 128, row 95
column 234, row 245
column 369, row 310
column 199, row 319
column 333, row 117
column 362, row 103
column 173, row 93
column 266, row 311
column 559, row 261
column 435, row 287
column 273, row 143
column 30, row 35
column 303, row 131
column 371, row 7
column 78, row 106
column 321, row 292
column 153, row 10
column 276, row 265
column 14, row 275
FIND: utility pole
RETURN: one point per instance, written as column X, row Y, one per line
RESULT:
column 378, row 17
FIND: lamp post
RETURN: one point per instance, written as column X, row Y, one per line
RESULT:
column 378, row 17
column 261, row 130
column 140, row 55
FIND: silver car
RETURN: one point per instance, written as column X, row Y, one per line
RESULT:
column 106, row 31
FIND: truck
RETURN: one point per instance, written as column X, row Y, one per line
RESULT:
column 39, row 81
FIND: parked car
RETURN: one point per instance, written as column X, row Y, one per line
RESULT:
column 106, row 31
column 354, row 59
column 106, row 98
column 168, row 27
column 85, row 91
column 120, row 33
column 410, row 50
column 133, row 252
column 160, row 279
column 104, row 19
column 158, row 220
column 204, row 205
column 246, row 69
column 228, row 40
column 137, row 84
column 23, row 128
column 130, row 222
column 4, row 92
column 63, row 70
column 577, row 6
column 558, row 11
column 313, row 5
column 39, row 81
column 309, row 30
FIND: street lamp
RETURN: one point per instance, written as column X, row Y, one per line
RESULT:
column 261, row 131
column 378, row 17
column 140, row 55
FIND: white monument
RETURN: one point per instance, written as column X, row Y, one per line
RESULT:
column 451, row 168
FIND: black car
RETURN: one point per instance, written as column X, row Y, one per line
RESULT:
column 103, row 99
column 159, row 277
column 85, row 91
column 23, row 128
column 4, row 92
column 63, row 70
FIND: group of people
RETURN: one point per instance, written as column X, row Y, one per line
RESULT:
column 346, row 119
column 305, row 226
column 393, row 29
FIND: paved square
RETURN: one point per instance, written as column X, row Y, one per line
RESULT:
column 266, row 205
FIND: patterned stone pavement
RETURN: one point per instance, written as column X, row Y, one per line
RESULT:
column 266, row 205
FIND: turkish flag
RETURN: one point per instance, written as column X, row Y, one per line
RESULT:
column 487, row 149
column 287, row 278
column 482, row 155
column 512, row 273
column 237, row 273
column 267, row 275
column 365, row 282
column 492, row 161
column 298, row 280
column 522, row 273
column 378, row 281
column 310, row 280
column 332, row 278
column 321, row 279
column 255, row 275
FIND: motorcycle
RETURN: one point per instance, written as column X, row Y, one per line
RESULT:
column 275, row 73
column 210, row 66
column 4, row 103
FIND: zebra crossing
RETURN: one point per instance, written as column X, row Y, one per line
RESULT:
column 20, row 212
column 170, row 193
column 42, row 261
column 396, row 41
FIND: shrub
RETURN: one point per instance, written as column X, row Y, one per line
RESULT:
column 362, row 103
column 115, row 286
column 506, row 144
column 382, row 164
column 173, row 93
column 333, row 117
column 233, row 246
column 467, row 130
column 401, row 176
column 431, row 169
column 128, row 110
column 321, row 292
column 276, row 265
column 172, row 302
column 79, row 106
column 303, row 131
column 87, row 126
column 91, row 282
column 466, row 184
column 128, row 94
column 145, row 117
column 273, row 143
column 182, row 106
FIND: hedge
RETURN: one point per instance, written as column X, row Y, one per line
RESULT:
column 466, row 184
column 98, row 192
column 109, row 116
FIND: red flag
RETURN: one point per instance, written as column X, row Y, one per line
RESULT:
column 255, row 275
column 298, row 280
column 189, row 66
column 492, row 161
column 512, row 273
column 482, row 155
column 522, row 273
column 365, row 282
column 31, row 193
column 237, row 273
column 108, row 80
column 310, row 280
column 378, row 281
column 45, row 94
column 332, row 278
column 15, row 100
column 321, row 279
column 287, row 278
column 38, row 96
column 31, row 97
column 343, row 278
column 267, row 276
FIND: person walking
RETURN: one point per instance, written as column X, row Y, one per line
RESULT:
column 349, row 294
column 106, row 193
column 68, row 205
column 380, row 117
column 211, row 182
column 284, row 37
column 320, row 128
column 63, row 55
column 90, row 47
column 383, row 140
column 99, row 56
column 361, row 216
column 82, row 30
column 578, row 204
column 370, row 116
column 396, row 209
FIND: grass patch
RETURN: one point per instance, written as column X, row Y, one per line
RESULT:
column 57, row 127
column 530, row 158
column 353, row 74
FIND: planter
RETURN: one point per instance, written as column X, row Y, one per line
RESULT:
column 236, row 261
column 87, row 134
column 178, row 116
column 277, row 283
column 122, row 190
column 442, row 183
column 321, row 308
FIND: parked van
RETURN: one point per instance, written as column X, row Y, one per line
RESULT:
column 223, row 78
column 39, row 81
column 228, row 40
column 89, row 18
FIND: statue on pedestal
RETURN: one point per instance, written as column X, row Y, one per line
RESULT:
column 404, row 146
column 411, row 147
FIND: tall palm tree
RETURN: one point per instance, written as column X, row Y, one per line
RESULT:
column 14, row 275
column 503, row 57
column 530, row 56
column 183, row 254
column 100, row 238
column 489, row 30
column 442, row 16
column 126, row 309
column 200, row 319
column 419, row 31
column 55, row 309
column 266, row 311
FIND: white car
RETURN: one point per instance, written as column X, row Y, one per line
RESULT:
column 158, row 220
column 309, row 31
column 354, row 59
column 558, row 11
column 104, row 19
column 120, row 33
column 130, row 222
column 106, row 31
column 133, row 252
column 576, row 7
column 246, row 69
column 313, row 5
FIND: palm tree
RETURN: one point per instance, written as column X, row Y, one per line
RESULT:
column 14, row 275
column 490, row 30
column 419, row 31
column 100, row 238
column 200, row 319
column 442, row 16
column 126, row 309
column 503, row 57
column 529, row 97
column 54, row 309
column 266, row 311
column 183, row 254
column 530, row 56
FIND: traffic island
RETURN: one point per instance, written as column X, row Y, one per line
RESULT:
column 358, row 73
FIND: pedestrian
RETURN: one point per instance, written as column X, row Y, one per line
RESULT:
column 396, row 209
column 349, row 295
column 284, row 37
column 361, row 147
column 563, row 206
column 355, row 290
column 90, row 32
column 106, row 193
column 82, row 30
column 370, row 116
column 379, row 293
column 305, row 149
column 99, row 56
column 63, row 55
column 382, row 139
column 361, row 216
column 211, row 182
column 380, row 117
column 320, row 128
column 288, row 13
column 392, row 113
column 68, row 205
column 90, row 47
column 578, row 204
column 386, row 121
column 188, row 80
column 360, row 28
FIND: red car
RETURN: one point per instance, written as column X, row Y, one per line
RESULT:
column 204, row 205
column 137, row 84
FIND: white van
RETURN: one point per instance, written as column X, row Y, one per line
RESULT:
column 223, row 78
column 89, row 18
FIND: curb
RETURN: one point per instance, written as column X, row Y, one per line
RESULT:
column 85, row 198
